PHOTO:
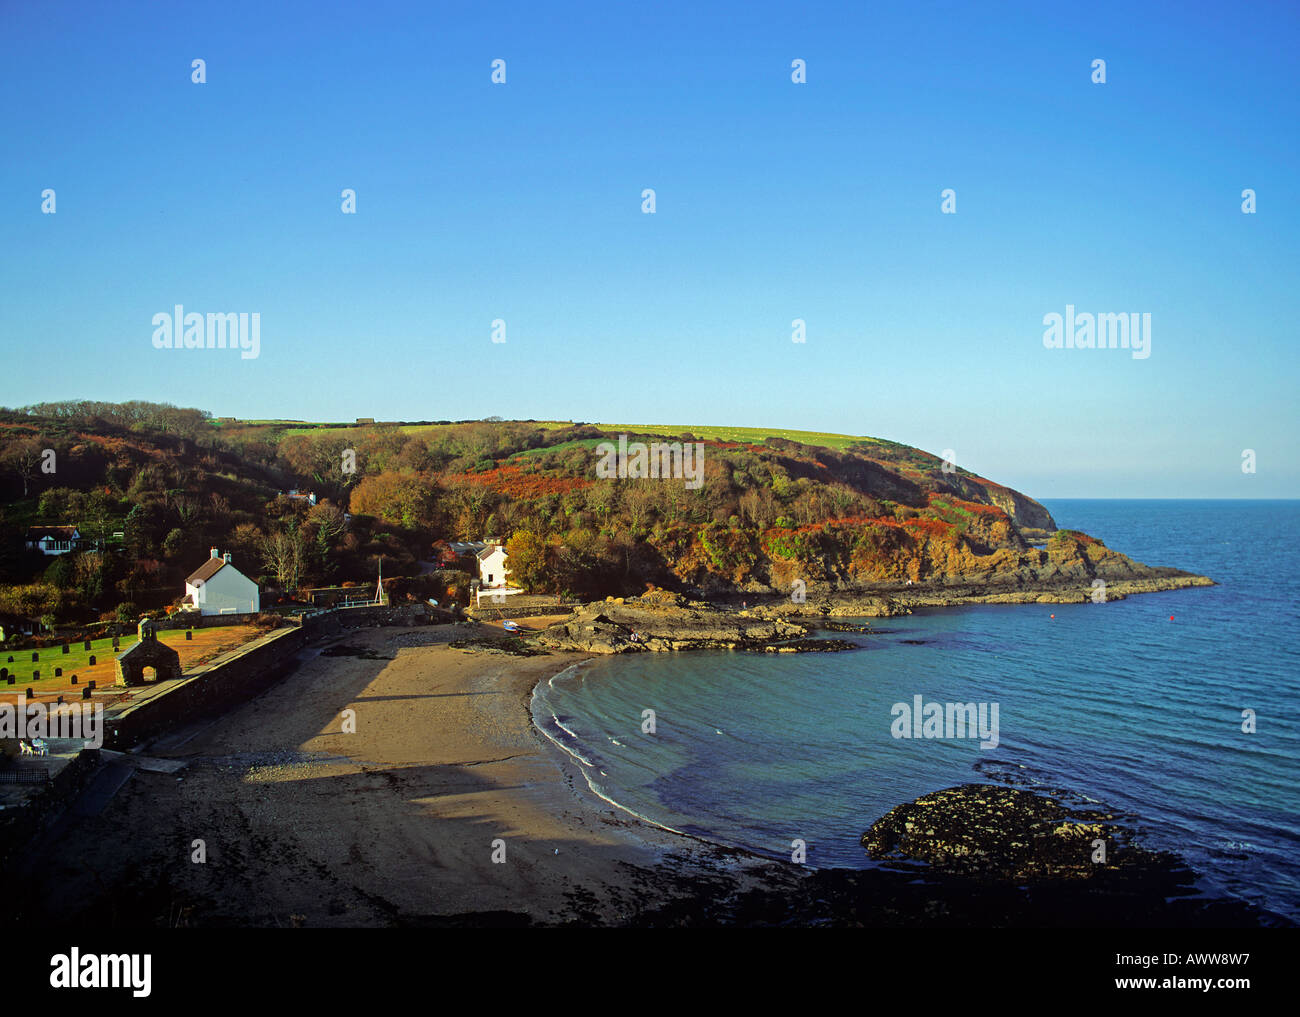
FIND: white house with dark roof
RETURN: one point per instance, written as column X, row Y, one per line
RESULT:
column 492, row 569
column 217, row 587
column 493, row 576
column 55, row 539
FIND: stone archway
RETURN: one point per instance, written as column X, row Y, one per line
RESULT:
column 148, row 652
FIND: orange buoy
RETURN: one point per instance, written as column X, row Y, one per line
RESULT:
column 1053, row 616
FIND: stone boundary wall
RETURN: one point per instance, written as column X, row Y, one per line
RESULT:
column 204, row 691
column 237, row 677
column 208, row 689
column 198, row 621
column 519, row 606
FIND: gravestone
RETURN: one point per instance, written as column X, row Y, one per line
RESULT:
column 28, row 692
column 189, row 635
column 148, row 652
column 91, row 685
column 87, row 645
column 85, row 693
column 66, row 649
column 36, row 656
column 91, row 662
column 36, row 676
column 12, row 680
column 74, row 679
column 117, row 644
column 58, row 672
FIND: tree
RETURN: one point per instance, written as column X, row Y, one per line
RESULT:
column 245, row 542
column 61, row 573
column 89, row 576
column 529, row 561
column 328, row 519
column 283, row 554
column 639, row 500
column 24, row 458
column 174, row 543
column 403, row 499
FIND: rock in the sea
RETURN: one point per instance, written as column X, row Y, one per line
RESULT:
column 1005, row 834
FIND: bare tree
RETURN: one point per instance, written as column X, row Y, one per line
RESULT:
column 639, row 500
column 24, row 458
column 328, row 519
column 283, row 555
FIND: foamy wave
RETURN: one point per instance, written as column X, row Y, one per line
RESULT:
column 539, row 699
column 631, row 812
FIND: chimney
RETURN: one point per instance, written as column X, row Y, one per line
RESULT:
column 215, row 554
column 226, row 556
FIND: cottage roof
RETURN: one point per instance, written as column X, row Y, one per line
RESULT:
column 207, row 570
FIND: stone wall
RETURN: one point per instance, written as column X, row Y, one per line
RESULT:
column 521, row 606
column 206, row 690
column 238, row 676
column 194, row 620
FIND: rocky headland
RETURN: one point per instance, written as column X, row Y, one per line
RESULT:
column 660, row 622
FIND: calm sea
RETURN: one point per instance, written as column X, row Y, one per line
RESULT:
column 1119, row 702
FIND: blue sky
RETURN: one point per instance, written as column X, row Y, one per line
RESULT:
column 775, row 201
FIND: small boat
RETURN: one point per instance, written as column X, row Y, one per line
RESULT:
column 509, row 626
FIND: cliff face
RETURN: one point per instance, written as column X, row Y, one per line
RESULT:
column 1026, row 513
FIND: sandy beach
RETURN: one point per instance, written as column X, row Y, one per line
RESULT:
column 305, row 824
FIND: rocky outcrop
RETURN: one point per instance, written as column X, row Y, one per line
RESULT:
column 1071, row 568
column 997, row 833
column 1026, row 513
column 660, row 622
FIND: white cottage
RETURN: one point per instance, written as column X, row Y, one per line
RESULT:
column 54, row 540
column 217, row 587
column 492, row 569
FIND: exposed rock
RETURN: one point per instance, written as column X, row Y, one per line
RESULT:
column 1005, row 834
column 662, row 622
column 512, row 646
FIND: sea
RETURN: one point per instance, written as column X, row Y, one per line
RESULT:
column 1181, row 710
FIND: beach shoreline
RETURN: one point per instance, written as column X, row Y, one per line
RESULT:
column 444, row 807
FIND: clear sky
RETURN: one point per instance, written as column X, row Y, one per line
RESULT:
column 774, row 201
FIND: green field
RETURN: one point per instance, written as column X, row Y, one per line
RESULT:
column 751, row 435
